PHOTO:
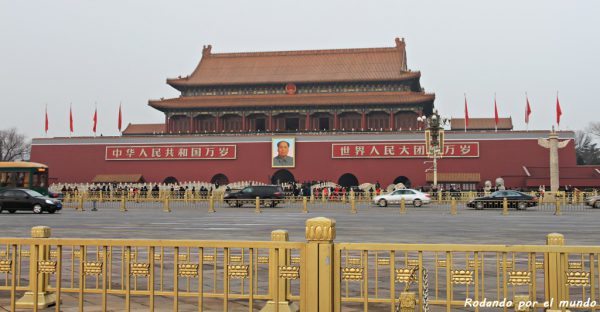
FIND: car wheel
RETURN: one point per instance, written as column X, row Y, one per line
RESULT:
column 521, row 206
column 479, row 205
column 382, row 203
column 51, row 210
column 417, row 203
column 597, row 204
column 37, row 208
column 12, row 210
column 0, row 208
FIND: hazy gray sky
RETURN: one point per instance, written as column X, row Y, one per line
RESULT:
column 105, row 52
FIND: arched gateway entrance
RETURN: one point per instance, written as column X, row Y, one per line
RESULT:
column 348, row 179
column 404, row 180
column 282, row 176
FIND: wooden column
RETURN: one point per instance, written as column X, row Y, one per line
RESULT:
column 363, row 120
column 336, row 121
column 307, row 122
column 270, row 121
column 191, row 124
column 167, row 124
column 218, row 122
column 243, row 121
column 392, row 126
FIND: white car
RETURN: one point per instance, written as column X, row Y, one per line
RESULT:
column 410, row 196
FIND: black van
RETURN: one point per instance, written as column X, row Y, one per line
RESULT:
column 273, row 195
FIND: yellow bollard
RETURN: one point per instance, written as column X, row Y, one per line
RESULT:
column 37, row 293
column 353, row 206
column 80, row 203
column 505, row 206
column 257, row 208
column 323, row 197
column 439, row 197
column 343, row 198
column 211, row 204
column 402, row 206
column 166, row 205
column 123, row 206
column 557, row 211
column 453, row 207
column 101, row 197
column 312, row 197
column 304, row 205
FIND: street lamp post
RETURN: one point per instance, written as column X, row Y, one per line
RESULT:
column 434, row 139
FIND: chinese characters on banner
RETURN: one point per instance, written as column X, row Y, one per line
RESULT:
column 171, row 152
column 401, row 150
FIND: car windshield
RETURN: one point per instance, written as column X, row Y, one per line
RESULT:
column 497, row 194
column 33, row 193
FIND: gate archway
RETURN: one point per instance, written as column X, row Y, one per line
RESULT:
column 170, row 180
column 404, row 180
column 220, row 179
column 282, row 176
column 348, row 179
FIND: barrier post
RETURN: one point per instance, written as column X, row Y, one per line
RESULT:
column 320, row 234
column 123, row 205
column 37, row 294
column 353, row 206
column 277, row 261
column 304, row 205
column 554, row 272
column 557, row 211
column 439, row 197
column 312, row 197
column 211, row 204
column 80, row 203
column 505, row 206
column 166, row 205
column 402, row 206
column 453, row 210
column 257, row 205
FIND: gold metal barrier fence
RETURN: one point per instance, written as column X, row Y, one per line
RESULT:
column 278, row 275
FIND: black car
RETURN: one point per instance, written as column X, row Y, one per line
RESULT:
column 269, row 194
column 515, row 199
column 12, row 200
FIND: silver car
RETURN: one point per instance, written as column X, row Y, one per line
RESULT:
column 593, row 201
column 410, row 196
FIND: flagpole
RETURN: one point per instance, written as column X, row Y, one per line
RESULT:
column 526, row 112
column 46, row 122
column 70, row 119
column 466, row 115
column 558, row 119
column 95, row 117
column 495, row 114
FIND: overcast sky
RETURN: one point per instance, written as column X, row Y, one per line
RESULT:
column 82, row 52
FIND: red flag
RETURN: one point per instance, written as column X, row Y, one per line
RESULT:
column 558, row 111
column 496, row 113
column 95, row 120
column 527, row 110
column 466, row 114
column 120, row 118
column 46, row 121
column 71, row 119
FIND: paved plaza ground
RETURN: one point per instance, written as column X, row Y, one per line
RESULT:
column 427, row 224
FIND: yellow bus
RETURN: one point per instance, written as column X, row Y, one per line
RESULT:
column 23, row 174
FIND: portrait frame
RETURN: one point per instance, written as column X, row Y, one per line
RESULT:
column 291, row 142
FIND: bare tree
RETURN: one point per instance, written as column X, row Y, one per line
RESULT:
column 594, row 129
column 586, row 150
column 13, row 145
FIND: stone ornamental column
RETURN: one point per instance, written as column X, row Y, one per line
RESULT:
column 553, row 144
column 320, row 233
column 39, row 267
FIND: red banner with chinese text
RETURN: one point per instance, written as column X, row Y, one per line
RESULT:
column 171, row 152
column 401, row 150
